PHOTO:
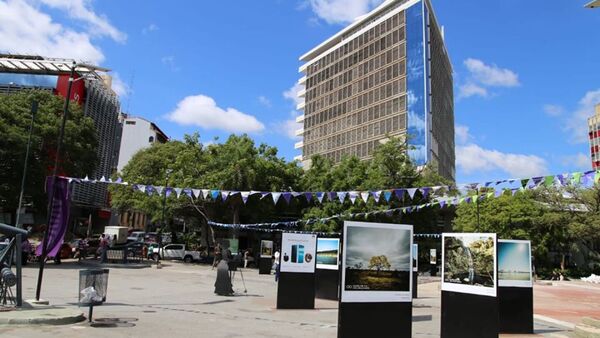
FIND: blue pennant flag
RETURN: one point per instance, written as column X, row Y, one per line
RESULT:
column 287, row 197
column 308, row 196
column 387, row 195
column 320, row 196
column 215, row 194
column 342, row 196
column 399, row 194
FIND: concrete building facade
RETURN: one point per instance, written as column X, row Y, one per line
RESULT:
column 387, row 74
column 138, row 133
column 594, row 134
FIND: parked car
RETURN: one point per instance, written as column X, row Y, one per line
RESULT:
column 136, row 236
column 151, row 237
column 91, row 248
column 175, row 251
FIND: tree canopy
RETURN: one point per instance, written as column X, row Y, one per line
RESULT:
column 78, row 157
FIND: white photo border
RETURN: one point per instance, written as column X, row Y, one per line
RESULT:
column 261, row 247
column 355, row 296
column 471, row 289
column 305, row 268
column 517, row 283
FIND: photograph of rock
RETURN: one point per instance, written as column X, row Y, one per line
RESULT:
column 469, row 263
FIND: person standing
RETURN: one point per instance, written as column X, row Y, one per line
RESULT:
column 276, row 264
column 218, row 255
column 103, row 248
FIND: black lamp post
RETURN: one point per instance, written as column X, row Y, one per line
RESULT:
column 164, row 205
column 34, row 108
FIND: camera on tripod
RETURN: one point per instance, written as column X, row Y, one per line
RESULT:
column 235, row 263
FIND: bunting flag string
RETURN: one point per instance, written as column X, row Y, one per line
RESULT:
column 379, row 196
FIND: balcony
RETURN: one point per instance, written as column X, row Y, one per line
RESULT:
column 302, row 92
column 301, row 105
column 300, row 118
column 302, row 80
column 300, row 132
column 298, row 158
column 299, row 145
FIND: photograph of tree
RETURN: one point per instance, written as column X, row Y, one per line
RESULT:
column 377, row 259
column 266, row 249
column 328, row 253
column 514, row 263
column 469, row 260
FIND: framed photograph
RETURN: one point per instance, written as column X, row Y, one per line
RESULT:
column 328, row 251
column 432, row 256
column 298, row 252
column 469, row 263
column 377, row 262
column 415, row 257
column 514, row 263
column 266, row 249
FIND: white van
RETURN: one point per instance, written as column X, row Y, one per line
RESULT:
column 121, row 233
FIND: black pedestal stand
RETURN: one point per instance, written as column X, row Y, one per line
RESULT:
column 467, row 315
column 516, row 309
column 327, row 283
column 296, row 290
column 381, row 320
column 264, row 266
column 415, row 283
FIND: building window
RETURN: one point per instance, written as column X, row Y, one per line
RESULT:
column 130, row 122
column 151, row 139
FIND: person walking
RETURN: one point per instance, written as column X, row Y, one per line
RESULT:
column 218, row 255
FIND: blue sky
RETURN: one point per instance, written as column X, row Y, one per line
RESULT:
column 513, row 256
column 527, row 73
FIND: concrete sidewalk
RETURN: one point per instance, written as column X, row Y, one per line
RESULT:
column 41, row 315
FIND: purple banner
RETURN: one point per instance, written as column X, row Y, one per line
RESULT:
column 59, row 217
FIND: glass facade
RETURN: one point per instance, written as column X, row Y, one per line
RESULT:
column 373, row 82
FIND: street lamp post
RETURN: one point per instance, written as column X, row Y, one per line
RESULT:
column 164, row 205
column 34, row 108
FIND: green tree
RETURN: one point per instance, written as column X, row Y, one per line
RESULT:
column 78, row 158
column 379, row 263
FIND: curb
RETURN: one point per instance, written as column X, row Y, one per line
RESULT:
column 46, row 319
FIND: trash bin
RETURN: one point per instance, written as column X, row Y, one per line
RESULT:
column 93, row 284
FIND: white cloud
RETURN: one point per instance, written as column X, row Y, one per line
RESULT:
column 471, row 89
column 150, row 28
column 292, row 94
column 553, row 110
column 491, row 75
column 264, row 101
column 120, row 88
column 201, row 110
column 25, row 29
column 462, row 134
column 170, row 61
column 576, row 123
column 341, row 11
column 471, row 158
column 578, row 161
column 289, row 127
column 81, row 10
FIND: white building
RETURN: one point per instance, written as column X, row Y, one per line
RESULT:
column 138, row 133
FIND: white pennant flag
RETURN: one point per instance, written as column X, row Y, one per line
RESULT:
column 353, row 195
column 178, row 191
column 411, row 192
column 275, row 196
column 205, row 193
column 196, row 192
column 159, row 189
column 364, row 196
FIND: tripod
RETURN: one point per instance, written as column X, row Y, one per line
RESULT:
column 233, row 267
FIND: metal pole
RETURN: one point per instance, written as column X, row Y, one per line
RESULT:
column 61, row 137
column 34, row 108
column 477, row 212
column 19, row 248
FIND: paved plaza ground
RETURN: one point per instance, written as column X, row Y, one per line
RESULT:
column 178, row 301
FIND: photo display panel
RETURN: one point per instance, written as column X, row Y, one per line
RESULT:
column 514, row 263
column 469, row 263
column 266, row 249
column 298, row 252
column 377, row 263
column 433, row 256
column 328, row 253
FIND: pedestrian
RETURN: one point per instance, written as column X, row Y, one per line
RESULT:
column 223, row 286
column 103, row 248
column 248, row 257
column 25, row 251
column 218, row 255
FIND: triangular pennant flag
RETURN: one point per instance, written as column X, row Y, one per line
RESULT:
column 320, row 196
column 119, row 180
column 86, row 179
column 498, row 193
column 576, row 178
column 537, row 180
column 224, row 195
column 178, row 191
column 425, row 191
column 205, row 193
column 188, row 192
column 196, row 193
column 342, row 196
column 524, row 182
column 364, row 196
column 387, row 195
column 436, row 188
column 215, row 194
column 487, row 184
column 103, row 179
column 548, row 181
column 411, row 192
column 140, row 187
column 276, row 196
column 245, row 195
column 353, row 195
column 287, row 197
column 159, row 189
column 376, row 195
column 399, row 194
column 588, row 178
column 562, row 179
column 331, row 196
column 442, row 203
column 490, row 194
column 150, row 190
column 308, row 196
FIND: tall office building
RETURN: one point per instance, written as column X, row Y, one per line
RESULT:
column 594, row 128
column 387, row 74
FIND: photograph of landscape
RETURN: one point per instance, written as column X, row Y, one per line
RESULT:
column 514, row 262
column 327, row 253
column 469, row 259
column 377, row 259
